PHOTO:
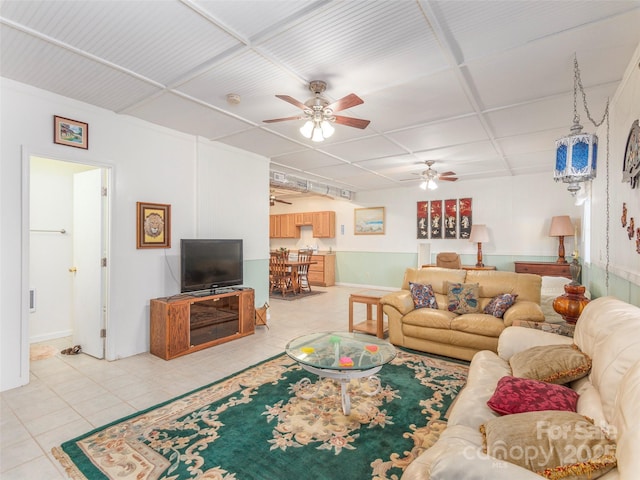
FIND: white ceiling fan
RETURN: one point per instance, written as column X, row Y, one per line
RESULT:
column 431, row 176
column 320, row 114
column 273, row 199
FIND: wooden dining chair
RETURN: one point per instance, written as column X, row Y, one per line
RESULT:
column 303, row 270
column 280, row 275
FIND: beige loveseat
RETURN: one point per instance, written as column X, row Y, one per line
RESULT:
column 446, row 333
column 608, row 331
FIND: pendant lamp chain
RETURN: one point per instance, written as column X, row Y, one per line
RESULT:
column 577, row 83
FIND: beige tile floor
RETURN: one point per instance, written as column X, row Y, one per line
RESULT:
column 71, row 395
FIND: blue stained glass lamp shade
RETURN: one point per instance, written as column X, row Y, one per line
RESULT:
column 576, row 158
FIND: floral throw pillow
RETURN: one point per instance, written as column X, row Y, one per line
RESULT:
column 518, row 395
column 422, row 295
column 463, row 297
column 500, row 304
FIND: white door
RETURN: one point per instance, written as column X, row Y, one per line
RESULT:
column 87, row 255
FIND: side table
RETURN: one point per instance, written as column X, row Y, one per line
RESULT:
column 371, row 298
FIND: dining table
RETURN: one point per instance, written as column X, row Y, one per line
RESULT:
column 294, row 264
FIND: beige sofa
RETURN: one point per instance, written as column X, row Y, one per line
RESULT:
column 608, row 330
column 446, row 333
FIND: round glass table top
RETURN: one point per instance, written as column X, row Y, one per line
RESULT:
column 341, row 351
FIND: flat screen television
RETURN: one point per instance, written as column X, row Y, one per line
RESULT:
column 207, row 264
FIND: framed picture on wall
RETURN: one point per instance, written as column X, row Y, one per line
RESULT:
column 153, row 225
column 466, row 218
column 436, row 220
column 450, row 218
column 423, row 220
column 70, row 132
column 368, row 221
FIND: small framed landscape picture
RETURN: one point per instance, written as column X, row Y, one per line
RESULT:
column 70, row 132
column 369, row 221
column 153, row 225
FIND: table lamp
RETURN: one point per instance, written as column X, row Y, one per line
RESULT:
column 479, row 234
column 561, row 227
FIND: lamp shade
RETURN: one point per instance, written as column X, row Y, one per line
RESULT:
column 561, row 226
column 576, row 156
column 479, row 234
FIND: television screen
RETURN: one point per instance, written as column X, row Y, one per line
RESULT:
column 206, row 264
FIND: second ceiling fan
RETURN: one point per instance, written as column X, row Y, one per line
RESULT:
column 429, row 176
column 320, row 114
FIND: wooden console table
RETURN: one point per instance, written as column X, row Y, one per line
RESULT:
column 548, row 269
column 468, row 267
column 186, row 323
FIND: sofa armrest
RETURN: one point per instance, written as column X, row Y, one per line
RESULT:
column 523, row 310
column 400, row 300
column 516, row 339
column 472, row 464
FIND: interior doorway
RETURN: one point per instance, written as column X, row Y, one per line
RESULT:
column 68, row 253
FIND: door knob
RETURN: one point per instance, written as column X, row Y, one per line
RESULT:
column 73, row 269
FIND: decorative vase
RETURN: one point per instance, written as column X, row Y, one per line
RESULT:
column 575, row 268
column 571, row 304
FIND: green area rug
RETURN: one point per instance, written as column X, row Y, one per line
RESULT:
column 252, row 426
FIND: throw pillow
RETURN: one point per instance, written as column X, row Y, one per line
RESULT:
column 553, row 444
column 463, row 297
column 500, row 304
column 422, row 295
column 551, row 363
column 517, row 395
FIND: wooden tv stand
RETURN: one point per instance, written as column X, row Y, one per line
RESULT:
column 186, row 323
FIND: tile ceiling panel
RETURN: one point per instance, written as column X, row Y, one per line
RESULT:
column 188, row 116
column 343, row 171
column 254, row 18
column 460, row 154
column 416, row 101
column 355, row 150
column 441, row 134
column 549, row 113
column 255, row 79
column 543, row 68
column 484, row 28
column 532, row 142
column 483, row 87
column 348, row 35
column 261, row 142
column 158, row 40
column 307, row 160
column 41, row 64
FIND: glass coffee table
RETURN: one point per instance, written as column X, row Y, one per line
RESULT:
column 341, row 356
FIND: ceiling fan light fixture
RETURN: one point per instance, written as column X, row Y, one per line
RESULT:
column 307, row 129
column 317, row 134
column 327, row 129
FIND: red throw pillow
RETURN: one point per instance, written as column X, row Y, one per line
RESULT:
column 518, row 395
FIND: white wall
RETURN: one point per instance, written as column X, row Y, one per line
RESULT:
column 625, row 108
column 517, row 216
column 149, row 164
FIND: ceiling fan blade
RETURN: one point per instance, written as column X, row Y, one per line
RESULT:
column 273, row 120
column 349, row 101
column 283, row 201
column 448, row 179
column 293, row 101
column 447, row 174
column 352, row 122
